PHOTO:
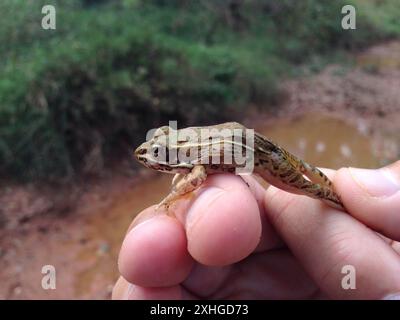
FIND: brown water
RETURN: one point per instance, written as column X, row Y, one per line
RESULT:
column 324, row 141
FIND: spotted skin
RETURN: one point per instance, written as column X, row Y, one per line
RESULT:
column 271, row 162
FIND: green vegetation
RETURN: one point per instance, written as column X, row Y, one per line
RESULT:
column 113, row 69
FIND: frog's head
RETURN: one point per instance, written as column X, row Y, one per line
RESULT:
column 156, row 153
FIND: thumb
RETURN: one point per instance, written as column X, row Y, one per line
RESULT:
column 373, row 197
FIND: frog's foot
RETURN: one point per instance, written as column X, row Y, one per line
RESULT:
column 321, row 185
column 322, row 191
column 314, row 174
column 167, row 201
column 183, row 184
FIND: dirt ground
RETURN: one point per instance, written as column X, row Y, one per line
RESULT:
column 78, row 229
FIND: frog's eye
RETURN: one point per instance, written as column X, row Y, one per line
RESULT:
column 155, row 149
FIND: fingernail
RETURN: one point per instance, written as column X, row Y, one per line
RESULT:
column 394, row 296
column 377, row 183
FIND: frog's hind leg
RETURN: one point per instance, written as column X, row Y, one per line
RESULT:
column 314, row 174
column 319, row 187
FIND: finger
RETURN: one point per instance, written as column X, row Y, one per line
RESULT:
column 143, row 216
column 275, row 275
column 269, row 238
column 325, row 240
column 206, row 280
column 373, row 197
column 119, row 289
column 154, row 254
column 124, row 290
column 142, row 293
column 394, row 244
column 223, row 224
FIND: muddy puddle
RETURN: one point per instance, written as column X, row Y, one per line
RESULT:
column 324, row 141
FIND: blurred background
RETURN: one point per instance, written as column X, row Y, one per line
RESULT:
column 76, row 101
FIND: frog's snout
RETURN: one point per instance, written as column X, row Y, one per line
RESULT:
column 140, row 152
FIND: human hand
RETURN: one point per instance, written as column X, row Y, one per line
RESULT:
column 238, row 241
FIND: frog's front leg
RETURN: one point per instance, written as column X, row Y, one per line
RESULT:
column 175, row 180
column 184, row 183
